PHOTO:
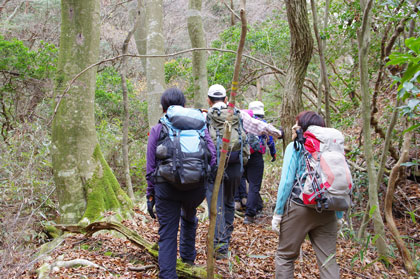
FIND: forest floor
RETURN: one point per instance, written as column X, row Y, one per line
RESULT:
column 251, row 256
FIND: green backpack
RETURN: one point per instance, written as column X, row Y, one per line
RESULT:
column 238, row 140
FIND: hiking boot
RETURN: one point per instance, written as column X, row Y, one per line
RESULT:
column 238, row 206
column 243, row 202
column 249, row 219
column 189, row 262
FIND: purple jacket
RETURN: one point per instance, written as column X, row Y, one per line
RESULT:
column 151, row 155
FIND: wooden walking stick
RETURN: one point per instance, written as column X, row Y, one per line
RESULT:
column 225, row 146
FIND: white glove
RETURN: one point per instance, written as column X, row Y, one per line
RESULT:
column 275, row 223
column 340, row 223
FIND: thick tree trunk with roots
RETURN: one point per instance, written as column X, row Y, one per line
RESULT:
column 199, row 58
column 155, row 72
column 301, row 45
column 364, row 40
column 85, row 184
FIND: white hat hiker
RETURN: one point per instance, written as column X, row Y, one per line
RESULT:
column 257, row 107
column 217, row 91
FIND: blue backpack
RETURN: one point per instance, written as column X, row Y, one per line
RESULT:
column 181, row 153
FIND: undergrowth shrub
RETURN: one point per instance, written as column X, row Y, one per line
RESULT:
column 25, row 81
column 109, row 124
column 27, row 198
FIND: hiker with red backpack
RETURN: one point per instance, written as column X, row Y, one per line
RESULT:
column 238, row 154
column 314, row 189
column 181, row 159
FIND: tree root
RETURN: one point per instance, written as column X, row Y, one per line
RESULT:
column 46, row 268
column 182, row 269
column 75, row 262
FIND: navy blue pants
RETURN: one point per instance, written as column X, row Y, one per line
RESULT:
column 254, row 175
column 225, row 206
column 171, row 206
column 241, row 193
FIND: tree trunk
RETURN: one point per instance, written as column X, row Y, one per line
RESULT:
column 324, row 75
column 366, row 219
column 396, row 173
column 232, row 16
column 155, row 72
column 259, row 91
column 126, row 113
column 363, row 43
column 199, row 58
column 301, row 45
column 140, row 33
column 319, row 97
column 85, row 184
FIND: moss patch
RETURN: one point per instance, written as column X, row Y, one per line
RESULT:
column 52, row 231
column 103, row 192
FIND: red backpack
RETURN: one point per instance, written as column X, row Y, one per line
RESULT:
column 327, row 179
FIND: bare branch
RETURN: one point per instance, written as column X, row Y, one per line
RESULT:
column 232, row 11
column 141, row 268
column 60, row 97
column 3, row 5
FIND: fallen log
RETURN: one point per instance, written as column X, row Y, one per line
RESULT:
column 182, row 269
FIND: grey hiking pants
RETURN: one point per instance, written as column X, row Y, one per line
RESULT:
column 297, row 222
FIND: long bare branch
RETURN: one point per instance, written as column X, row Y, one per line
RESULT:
column 60, row 97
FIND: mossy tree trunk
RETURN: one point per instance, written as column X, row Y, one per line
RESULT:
column 155, row 67
column 199, row 58
column 301, row 45
column 85, row 184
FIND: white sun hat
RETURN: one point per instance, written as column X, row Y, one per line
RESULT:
column 257, row 107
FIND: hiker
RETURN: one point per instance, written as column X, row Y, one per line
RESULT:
column 255, row 167
column 241, row 193
column 237, row 158
column 293, row 220
column 176, row 195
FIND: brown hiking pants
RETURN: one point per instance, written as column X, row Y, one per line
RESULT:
column 297, row 222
